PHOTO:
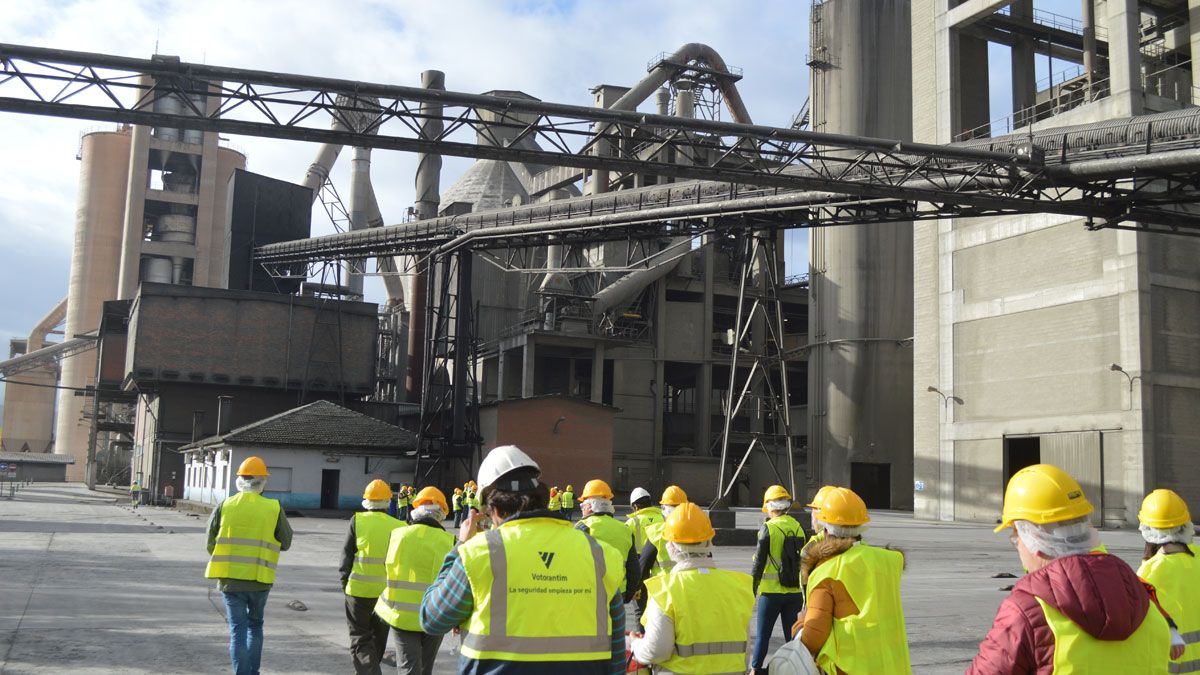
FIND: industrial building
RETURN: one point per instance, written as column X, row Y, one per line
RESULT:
column 630, row 303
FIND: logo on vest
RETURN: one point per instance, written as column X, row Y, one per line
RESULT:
column 547, row 557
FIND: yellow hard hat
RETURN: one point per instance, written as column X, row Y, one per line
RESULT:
column 774, row 493
column 253, row 466
column 458, row 491
column 595, row 488
column 570, row 488
column 1164, row 510
column 431, row 495
column 842, row 506
column 688, row 524
column 673, row 496
column 819, row 498
column 377, row 491
column 1043, row 493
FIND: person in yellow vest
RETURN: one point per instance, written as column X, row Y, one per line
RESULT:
column 1077, row 610
column 457, row 501
column 697, row 619
column 414, row 556
column 1169, row 563
column 246, row 532
column 654, row 558
column 780, row 597
column 568, row 502
column 533, row 595
column 555, row 503
column 816, row 527
column 596, row 505
column 402, row 502
column 135, row 492
column 854, row 622
column 364, row 578
column 645, row 513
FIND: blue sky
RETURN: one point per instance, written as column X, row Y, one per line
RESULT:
column 555, row 50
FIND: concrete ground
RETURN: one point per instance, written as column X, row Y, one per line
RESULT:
column 90, row 585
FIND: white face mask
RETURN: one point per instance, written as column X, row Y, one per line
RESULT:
column 667, row 509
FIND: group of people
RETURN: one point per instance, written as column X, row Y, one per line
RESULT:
column 529, row 591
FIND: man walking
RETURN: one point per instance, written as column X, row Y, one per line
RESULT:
column 364, row 577
column 245, row 535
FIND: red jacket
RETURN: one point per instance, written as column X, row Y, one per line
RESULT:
column 1099, row 592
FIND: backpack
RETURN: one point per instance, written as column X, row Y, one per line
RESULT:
column 789, row 560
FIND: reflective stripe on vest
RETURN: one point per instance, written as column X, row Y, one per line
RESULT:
column 526, row 575
column 706, row 641
column 611, row 531
column 641, row 519
column 777, row 529
column 246, row 547
column 372, row 530
column 662, row 562
column 1075, row 651
column 1176, row 581
column 568, row 500
column 555, row 504
column 414, row 558
column 872, row 579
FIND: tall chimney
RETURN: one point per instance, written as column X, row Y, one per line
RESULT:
column 224, row 414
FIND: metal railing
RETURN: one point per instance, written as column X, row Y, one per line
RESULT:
column 1069, row 93
column 1058, row 21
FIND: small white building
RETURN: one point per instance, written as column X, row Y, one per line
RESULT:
column 320, row 456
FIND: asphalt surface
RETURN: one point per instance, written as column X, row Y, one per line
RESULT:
column 89, row 584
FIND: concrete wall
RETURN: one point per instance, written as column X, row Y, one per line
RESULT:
column 295, row 475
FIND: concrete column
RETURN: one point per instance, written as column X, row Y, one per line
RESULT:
column 1089, row 40
column 1024, row 80
column 502, row 366
column 705, row 386
column 972, row 105
column 1194, row 29
column 597, row 395
column 135, row 214
column 1124, row 59
column 527, row 368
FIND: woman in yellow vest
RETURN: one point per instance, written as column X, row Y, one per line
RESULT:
column 697, row 618
column 854, row 622
column 653, row 558
column 246, row 532
column 533, row 595
column 414, row 556
column 364, row 577
column 778, row 602
column 1169, row 563
column 555, row 504
column 598, row 521
column 1099, row 616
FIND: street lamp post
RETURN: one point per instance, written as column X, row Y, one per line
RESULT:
column 945, row 458
column 1116, row 368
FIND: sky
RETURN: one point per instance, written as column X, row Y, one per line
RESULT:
column 554, row 50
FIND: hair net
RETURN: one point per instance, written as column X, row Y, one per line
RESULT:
column 251, row 484
column 376, row 505
column 1058, row 540
column 846, row 531
column 779, row 505
column 428, row 511
column 683, row 552
column 667, row 509
column 599, row 504
column 1174, row 535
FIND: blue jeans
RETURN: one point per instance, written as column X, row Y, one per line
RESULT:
column 772, row 607
column 244, row 612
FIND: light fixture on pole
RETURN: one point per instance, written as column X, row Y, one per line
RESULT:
column 946, row 400
column 1116, row 368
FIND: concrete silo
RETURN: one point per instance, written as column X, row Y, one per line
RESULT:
column 95, row 264
column 861, row 303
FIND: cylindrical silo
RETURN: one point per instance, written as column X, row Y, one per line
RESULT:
column 95, row 268
column 860, row 314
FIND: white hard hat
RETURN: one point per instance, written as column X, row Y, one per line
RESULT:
column 638, row 493
column 502, row 460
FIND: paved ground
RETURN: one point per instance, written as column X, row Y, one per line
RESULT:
column 92, row 586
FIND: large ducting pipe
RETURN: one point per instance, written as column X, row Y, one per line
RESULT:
column 428, row 184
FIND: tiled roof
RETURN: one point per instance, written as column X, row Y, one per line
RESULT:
column 319, row 424
column 36, row 457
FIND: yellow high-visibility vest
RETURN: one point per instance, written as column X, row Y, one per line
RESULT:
column 246, row 545
column 367, row 576
column 711, row 609
column 874, row 640
column 456, row 502
column 528, row 577
column 777, row 529
column 555, row 503
column 662, row 562
column 639, row 520
column 1075, row 651
column 1176, row 579
column 568, row 500
column 614, row 533
column 414, row 558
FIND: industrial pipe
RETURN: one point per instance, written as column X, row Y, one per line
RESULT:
column 428, row 185
column 37, row 336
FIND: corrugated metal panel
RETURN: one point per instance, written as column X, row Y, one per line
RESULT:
column 1077, row 453
column 1175, row 315
column 1177, row 440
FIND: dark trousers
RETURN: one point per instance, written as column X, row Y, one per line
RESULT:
column 368, row 635
column 773, row 607
column 415, row 652
column 458, row 518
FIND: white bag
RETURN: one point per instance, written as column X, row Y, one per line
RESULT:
column 793, row 659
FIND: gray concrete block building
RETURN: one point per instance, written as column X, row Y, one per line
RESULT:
column 1035, row 338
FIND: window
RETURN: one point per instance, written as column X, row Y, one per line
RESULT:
column 280, row 479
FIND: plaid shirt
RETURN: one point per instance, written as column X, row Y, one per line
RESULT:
column 448, row 603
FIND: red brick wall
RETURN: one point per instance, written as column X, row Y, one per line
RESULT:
column 581, row 449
